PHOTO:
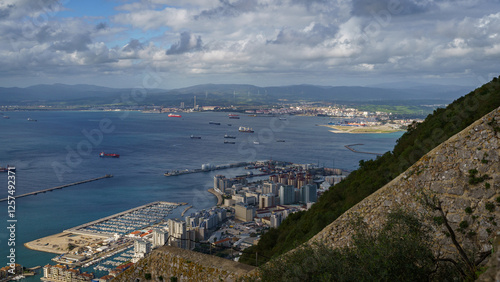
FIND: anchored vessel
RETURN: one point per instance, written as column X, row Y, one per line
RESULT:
column 229, row 136
column 195, row 137
column 174, row 115
column 245, row 129
column 104, row 155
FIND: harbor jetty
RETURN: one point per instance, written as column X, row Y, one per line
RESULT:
column 220, row 200
column 350, row 147
column 185, row 210
column 59, row 187
column 207, row 168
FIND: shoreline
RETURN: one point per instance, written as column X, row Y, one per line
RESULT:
column 361, row 130
column 58, row 243
column 220, row 201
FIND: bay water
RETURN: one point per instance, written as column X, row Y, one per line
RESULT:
column 63, row 147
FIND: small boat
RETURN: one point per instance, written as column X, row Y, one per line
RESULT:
column 229, row 142
column 280, row 140
column 174, row 115
column 256, row 142
column 245, row 129
column 229, row 136
column 213, row 122
column 30, row 119
column 104, row 155
column 282, row 118
column 195, row 137
column 233, row 116
column 229, row 124
column 8, row 168
column 6, row 117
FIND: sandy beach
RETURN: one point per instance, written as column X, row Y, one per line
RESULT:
column 59, row 243
column 361, row 130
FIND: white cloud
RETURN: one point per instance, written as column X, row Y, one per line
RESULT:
column 248, row 40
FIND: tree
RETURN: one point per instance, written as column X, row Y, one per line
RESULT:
column 466, row 265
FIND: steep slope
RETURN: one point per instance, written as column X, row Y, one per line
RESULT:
column 462, row 174
column 374, row 174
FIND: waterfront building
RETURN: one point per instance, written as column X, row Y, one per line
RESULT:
column 159, row 237
column 179, row 235
column 244, row 212
column 141, row 248
column 287, row 195
column 56, row 273
column 221, row 183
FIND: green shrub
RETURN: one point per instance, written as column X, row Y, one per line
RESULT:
column 463, row 224
column 489, row 206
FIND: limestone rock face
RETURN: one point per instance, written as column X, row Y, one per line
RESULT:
column 166, row 262
column 463, row 174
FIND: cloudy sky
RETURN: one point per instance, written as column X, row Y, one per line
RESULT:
column 177, row 43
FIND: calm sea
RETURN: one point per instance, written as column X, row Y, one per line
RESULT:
column 63, row 147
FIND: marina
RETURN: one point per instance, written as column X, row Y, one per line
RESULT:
column 59, row 187
column 128, row 221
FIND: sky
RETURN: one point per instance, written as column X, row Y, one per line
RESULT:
column 178, row 43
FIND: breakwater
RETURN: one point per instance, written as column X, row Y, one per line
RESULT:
column 350, row 147
column 59, row 187
column 207, row 169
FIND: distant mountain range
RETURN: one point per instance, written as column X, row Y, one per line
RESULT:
column 225, row 94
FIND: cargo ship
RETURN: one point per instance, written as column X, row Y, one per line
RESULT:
column 245, row 129
column 229, row 142
column 174, row 115
column 104, row 155
column 229, row 136
column 233, row 116
column 213, row 122
column 30, row 119
column 195, row 137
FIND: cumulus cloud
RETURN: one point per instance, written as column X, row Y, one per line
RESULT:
column 187, row 43
column 399, row 7
column 228, row 9
column 250, row 41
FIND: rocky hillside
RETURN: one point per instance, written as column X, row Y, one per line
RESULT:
column 462, row 176
column 174, row 264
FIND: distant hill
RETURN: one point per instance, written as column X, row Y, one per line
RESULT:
column 223, row 94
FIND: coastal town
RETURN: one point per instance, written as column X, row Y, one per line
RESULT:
column 247, row 206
